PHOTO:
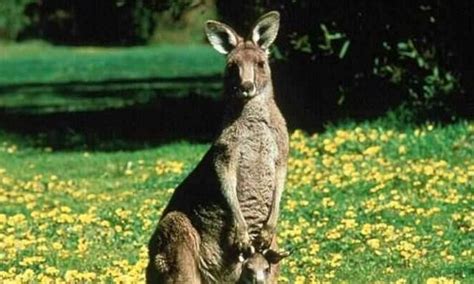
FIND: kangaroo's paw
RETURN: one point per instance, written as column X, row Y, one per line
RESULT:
column 242, row 240
column 264, row 239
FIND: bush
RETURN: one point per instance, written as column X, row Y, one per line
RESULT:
column 418, row 73
column 346, row 55
column 104, row 22
column 108, row 22
column 13, row 18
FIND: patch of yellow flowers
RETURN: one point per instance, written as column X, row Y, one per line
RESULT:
column 348, row 203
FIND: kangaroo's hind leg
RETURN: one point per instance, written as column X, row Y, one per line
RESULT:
column 174, row 251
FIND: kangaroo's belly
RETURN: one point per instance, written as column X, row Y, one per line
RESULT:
column 256, row 176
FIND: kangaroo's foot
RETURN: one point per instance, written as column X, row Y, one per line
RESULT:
column 174, row 251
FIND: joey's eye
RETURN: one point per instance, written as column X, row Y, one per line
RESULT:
column 261, row 64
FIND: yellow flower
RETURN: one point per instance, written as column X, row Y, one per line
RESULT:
column 57, row 246
column 328, row 202
column 441, row 280
column 333, row 234
column 428, row 170
column 300, row 279
column 86, row 218
column 402, row 150
column 374, row 243
column 313, row 248
column 53, row 271
column 336, row 260
column 366, row 229
column 82, row 246
column 32, row 260
column 372, row 150
column 349, row 223
column 3, row 219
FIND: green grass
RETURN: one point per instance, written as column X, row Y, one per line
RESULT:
column 363, row 203
column 40, row 78
column 44, row 64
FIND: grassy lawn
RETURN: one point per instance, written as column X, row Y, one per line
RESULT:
column 40, row 78
column 364, row 203
column 39, row 63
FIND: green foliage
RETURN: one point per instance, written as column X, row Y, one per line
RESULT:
column 108, row 22
column 337, row 45
column 175, row 7
column 142, row 19
column 105, row 22
column 13, row 18
column 418, row 71
column 329, row 42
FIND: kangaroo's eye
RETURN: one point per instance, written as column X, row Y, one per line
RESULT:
column 232, row 68
column 261, row 64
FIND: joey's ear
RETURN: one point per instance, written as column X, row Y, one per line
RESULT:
column 266, row 29
column 222, row 37
column 274, row 257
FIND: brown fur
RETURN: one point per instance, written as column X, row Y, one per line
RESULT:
column 231, row 199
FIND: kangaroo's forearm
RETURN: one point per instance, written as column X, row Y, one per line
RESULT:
column 279, row 186
column 227, row 174
column 228, row 186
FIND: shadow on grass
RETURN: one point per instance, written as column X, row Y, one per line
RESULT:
column 121, row 116
column 161, row 120
column 115, row 85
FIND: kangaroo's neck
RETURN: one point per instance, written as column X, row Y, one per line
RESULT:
column 256, row 108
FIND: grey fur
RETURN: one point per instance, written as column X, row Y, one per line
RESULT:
column 230, row 201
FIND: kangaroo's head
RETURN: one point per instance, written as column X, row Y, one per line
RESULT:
column 247, row 72
column 256, row 268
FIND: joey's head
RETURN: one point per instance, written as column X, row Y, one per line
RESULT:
column 247, row 71
column 256, row 268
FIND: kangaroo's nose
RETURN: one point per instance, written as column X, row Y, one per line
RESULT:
column 247, row 87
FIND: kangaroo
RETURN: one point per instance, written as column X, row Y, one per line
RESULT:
column 229, row 204
column 257, row 269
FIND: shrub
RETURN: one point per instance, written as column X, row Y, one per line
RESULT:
column 105, row 22
column 417, row 72
column 346, row 55
column 13, row 18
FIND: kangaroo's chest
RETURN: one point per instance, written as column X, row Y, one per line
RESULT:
column 257, row 153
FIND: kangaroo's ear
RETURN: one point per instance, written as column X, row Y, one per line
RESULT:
column 222, row 37
column 266, row 29
column 274, row 257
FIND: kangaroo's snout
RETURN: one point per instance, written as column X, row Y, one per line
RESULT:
column 247, row 88
column 260, row 277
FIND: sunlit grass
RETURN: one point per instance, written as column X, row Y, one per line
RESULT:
column 41, row 63
column 363, row 203
column 40, row 78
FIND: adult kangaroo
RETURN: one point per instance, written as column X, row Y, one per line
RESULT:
column 230, row 202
